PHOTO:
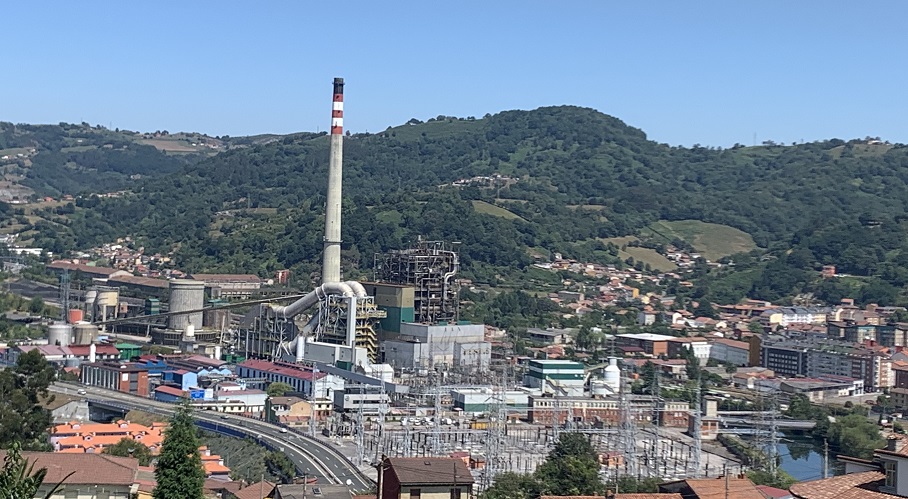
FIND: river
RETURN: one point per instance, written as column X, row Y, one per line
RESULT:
column 802, row 458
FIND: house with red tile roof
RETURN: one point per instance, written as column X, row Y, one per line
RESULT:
column 85, row 475
column 883, row 477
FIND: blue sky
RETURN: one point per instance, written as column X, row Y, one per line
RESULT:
column 713, row 73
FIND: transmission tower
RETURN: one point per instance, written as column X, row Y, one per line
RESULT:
column 360, row 428
column 698, row 440
column 382, row 411
column 436, row 428
column 313, row 398
column 627, row 429
column 773, row 451
column 496, row 432
column 653, row 451
column 64, row 295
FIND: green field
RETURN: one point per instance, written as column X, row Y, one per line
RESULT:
column 497, row 211
column 713, row 241
column 645, row 255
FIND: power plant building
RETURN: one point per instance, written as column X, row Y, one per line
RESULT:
column 558, row 377
column 430, row 346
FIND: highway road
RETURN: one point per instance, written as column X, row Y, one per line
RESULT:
column 311, row 457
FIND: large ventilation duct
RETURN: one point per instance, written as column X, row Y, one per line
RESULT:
column 349, row 288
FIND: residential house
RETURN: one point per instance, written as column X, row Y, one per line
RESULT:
column 290, row 411
column 884, row 476
column 711, row 488
column 424, row 478
column 85, row 476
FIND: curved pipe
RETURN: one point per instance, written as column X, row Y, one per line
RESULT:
column 297, row 307
column 447, row 277
column 358, row 289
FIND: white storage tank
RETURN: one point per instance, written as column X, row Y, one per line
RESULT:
column 613, row 374
column 59, row 334
column 599, row 388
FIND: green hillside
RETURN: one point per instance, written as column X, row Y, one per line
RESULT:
column 713, row 241
column 840, row 202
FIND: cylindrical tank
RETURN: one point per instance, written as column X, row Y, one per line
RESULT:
column 59, row 334
column 613, row 375
column 85, row 333
column 75, row 315
column 186, row 294
column 599, row 388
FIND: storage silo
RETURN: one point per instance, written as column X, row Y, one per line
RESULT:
column 90, row 296
column 186, row 294
column 107, row 302
column 59, row 334
column 613, row 375
column 85, row 333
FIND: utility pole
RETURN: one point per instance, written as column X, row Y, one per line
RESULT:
column 725, row 471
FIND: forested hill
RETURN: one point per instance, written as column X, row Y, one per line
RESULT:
column 580, row 175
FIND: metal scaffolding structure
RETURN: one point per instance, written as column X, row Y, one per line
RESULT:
column 430, row 267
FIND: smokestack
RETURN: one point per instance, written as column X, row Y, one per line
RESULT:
column 331, row 255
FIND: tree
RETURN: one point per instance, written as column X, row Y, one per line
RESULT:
column 280, row 466
column 571, row 468
column 278, row 389
column 705, row 309
column 513, row 486
column 36, row 305
column 20, row 480
column 128, row 447
column 25, row 421
column 179, row 472
column 855, row 436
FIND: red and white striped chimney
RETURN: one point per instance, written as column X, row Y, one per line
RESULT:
column 331, row 252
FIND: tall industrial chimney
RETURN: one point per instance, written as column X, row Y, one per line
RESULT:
column 331, row 256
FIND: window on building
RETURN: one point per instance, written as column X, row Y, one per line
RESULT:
column 890, row 467
column 415, row 493
column 455, row 493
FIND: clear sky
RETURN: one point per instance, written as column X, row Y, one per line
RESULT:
column 713, row 73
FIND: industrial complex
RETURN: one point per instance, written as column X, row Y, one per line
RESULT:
column 386, row 364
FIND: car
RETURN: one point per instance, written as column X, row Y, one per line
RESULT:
column 223, row 416
column 283, row 430
column 81, row 391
